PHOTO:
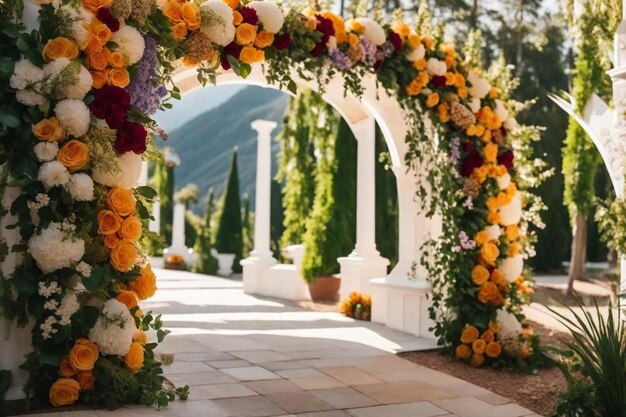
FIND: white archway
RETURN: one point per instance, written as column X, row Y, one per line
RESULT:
column 399, row 296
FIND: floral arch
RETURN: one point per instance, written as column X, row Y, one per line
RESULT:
column 80, row 80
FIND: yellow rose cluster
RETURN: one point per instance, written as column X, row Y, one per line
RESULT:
column 76, row 373
column 357, row 305
column 475, row 346
column 184, row 17
column 73, row 154
column 120, row 228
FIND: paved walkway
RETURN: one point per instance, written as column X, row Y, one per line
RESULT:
column 245, row 356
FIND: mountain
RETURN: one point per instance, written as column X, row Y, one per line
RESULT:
column 205, row 143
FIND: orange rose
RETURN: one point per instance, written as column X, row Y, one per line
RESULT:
column 494, row 326
column 488, row 336
column 140, row 337
column 488, row 292
column 481, row 238
column 247, row 55
column 480, row 275
column 49, row 130
column 414, row 40
column 514, row 249
column 524, row 352
column 64, row 391
column 128, row 298
column 470, row 333
column 443, row 112
column 93, row 44
column 94, row 5
column 450, row 78
column 60, row 47
column 84, row 355
column 179, row 31
column 245, row 34
column 259, row 55
column 118, row 77
column 237, row 18
column 402, row 29
column 101, row 31
column 493, row 349
column 497, row 277
column 512, row 232
column 428, row 43
column 479, row 346
column 108, row 223
column 173, row 13
column 463, row 352
column 99, row 60
column 65, row 368
column 264, row 39
column 134, row 358
column 420, row 64
column 145, row 285
column 86, row 380
column 490, row 253
column 123, row 256
column 413, row 88
column 491, row 150
column 122, row 201
column 110, row 241
column 493, row 218
column 117, row 59
column 131, row 228
column 492, row 204
column 74, row 155
column 459, row 80
column 99, row 79
column 432, row 100
column 190, row 13
column 232, row 3
column 477, row 360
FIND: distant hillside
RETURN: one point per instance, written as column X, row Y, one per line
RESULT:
column 205, row 143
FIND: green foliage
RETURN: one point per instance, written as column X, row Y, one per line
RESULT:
column 594, row 364
column 229, row 236
column 246, row 225
column 192, row 226
column 611, row 218
column 332, row 224
column 277, row 217
column 206, row 264
column 386, row 205
column 165, row 187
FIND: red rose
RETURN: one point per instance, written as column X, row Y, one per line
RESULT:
column 506, row 158
column 111, row 104
column 131, row 136
column 473, row 160
column 249, row 15
column 395, row 40
column 231, row 49
column 439, row 82
column 282, row 41
column 105, row 16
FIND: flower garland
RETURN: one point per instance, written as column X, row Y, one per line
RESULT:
column 80, row 82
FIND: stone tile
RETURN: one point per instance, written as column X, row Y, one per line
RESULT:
column 473, row 407
column 259, row 356
column 250, row 373
column 272, row 386
column 299, row 373
column 316, row 382
column 343, row 397
column 200, row 378
column 181, row 367
column 414, row 409
column 402, row 391
column 334, row 413
column 235, row 363
column 215, row 391
column 249, row 407
column 494, row 399
column 298, row 402
column 203, row 356
column 350, row 375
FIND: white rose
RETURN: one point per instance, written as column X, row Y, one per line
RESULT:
column 46, row 151
column 416, row 54
column 74, row 116
column 510, row 327
column 480, row 87
column 270, row 16
column 53, row 174
column 129, row 164
column 332, row 42
column 373, row 32
column 504, row 181
column 501, row 111
column 511, row 124
column 512, row 267
column 130, row 43
column 436, row 67
column 511, row 213
column 493, row 231
column 474, row 104
column 81, row 187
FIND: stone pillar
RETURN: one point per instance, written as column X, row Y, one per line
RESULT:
column 261, row 258
column 155, row 225
column 178, row 228
column 365, row 262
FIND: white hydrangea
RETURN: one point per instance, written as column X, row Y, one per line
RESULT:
column 84, row 269
column 474, row 104
column 129, row 164
column 30, row 98
column 480, row 87
column 510, row 327
column 52, row 174
column 54, row 68
column 53, row 249
column 222, row 31
column 50, row 289
column 81, row 187
column 504, row 181
column 270, row 16
column 46, row 151
column 74, row 116
column 501, row 111
column 131, row 43
column 114, row 329
column 373, row 32
column 436, row 67
column 69, row 306
column 25, row 74
column 51, row 305
column 46, row 327
column 493, row 231
column 417, row 53
column 511, row 213
column 80, row 89
column 512, row 267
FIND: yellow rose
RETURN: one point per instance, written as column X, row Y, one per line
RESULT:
column 259, row 55
column 99, row 79
column 428, row 43
column 49, row 130
column 60, row 47
column 64, row 391
column 443, row 112
column 247, row 55
column 514, row 249
column 491, row 150
column 264, row 39
column 414, row 40
column 401, row 29
column 490, row 252
column 111, row 240
column 65, row 368
column 131, row 228
column 145, row 285
column 108, row 222
column 232, row 3
column 237, row 18
column 470, row 333
column 117, row 59
column 432, row 100
column 99, row 60
column 86, row 380
column 173, row 13
column 481, row 238
column 84, row 355
column 245, row 34
column 493, row 218
column 118, row 77
column 134, row 358
column 101, row 31
column 512, row 232
column 179, row 31
column 420, row 64
column 122, row 201
column 190, row 13
column 140, row 337
column 93, row 44
column 413, row 88
column 494, row 93
column 459, row 80
column 480, row 275
column 128, row 298
column 493, row 349
column 463, row 352
column 355, row 26
column 462, row 92
column 74, row 155
column 450, row 78
column 487, row 292
column 94, row 5
column 479, row 346
column 123, row 256
column 477, row 360
column 497, row 277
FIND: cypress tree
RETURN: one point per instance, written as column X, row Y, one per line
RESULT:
column 165, row 188
column 246, row 224
column 331, row 228
column 386, row 205
column 206, row 263
column 277, row 217
column 229, row 236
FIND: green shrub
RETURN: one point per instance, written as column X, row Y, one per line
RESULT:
column 229, row 236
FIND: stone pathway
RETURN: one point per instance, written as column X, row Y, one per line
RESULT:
column 245, row 356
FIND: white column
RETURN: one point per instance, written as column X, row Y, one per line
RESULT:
column 155, row 225
column 263, row 186
column 178, row 229
column 143, row 176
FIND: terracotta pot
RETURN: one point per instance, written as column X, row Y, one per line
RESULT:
column 325, row 288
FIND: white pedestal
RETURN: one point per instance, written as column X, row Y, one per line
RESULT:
column 254, row 270
column 356, row 273
column 225, row 264
column 402, row 305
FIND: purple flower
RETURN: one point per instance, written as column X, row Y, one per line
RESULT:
column 465, row 241
column 146, row 91
column 338, row 59
column 369, row 51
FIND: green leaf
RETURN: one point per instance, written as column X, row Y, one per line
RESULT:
column 97, row 279
column 25, row 169
column 51, row 356
column 5, row 382
column 9, row 116
column 147, row 192
column 6, row 67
